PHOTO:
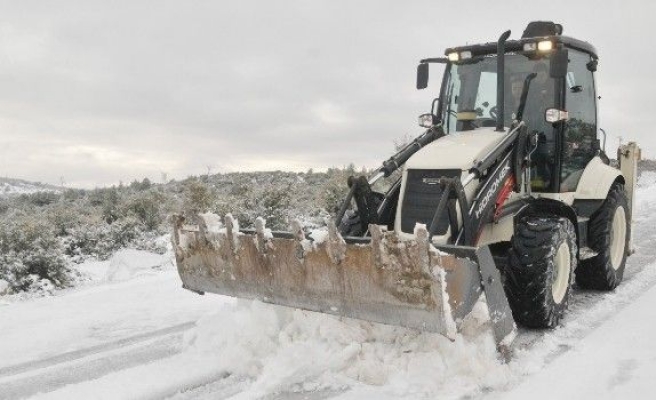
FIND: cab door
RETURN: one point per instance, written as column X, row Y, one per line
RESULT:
column 579, row 144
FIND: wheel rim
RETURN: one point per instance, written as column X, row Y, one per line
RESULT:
column 618, row 238
column 562, row 269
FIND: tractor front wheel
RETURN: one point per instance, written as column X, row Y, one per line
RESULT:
column 540, row 269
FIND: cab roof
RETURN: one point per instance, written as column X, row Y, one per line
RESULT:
column 513, row 46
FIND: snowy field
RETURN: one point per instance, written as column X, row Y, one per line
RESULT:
column 132, row 332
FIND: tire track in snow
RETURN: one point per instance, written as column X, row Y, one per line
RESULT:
column 93, row 350
column 26, row 379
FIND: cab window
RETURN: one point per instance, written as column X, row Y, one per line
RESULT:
column 579, row 144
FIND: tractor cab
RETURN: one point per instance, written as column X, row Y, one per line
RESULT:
column 547, row 83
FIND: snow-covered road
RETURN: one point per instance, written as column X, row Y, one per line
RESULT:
column 615, row 361
column 138, row 335
column 132, row 314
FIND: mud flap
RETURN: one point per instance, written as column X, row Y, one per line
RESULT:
column 382, row 279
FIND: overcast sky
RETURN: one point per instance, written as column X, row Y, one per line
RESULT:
column 95, row 93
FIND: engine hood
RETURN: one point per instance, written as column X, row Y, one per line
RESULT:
column 456, row 150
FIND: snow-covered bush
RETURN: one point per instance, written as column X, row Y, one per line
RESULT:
column 198, row 197
column 64, row 217
column 101, row 240
column 77, row 224
column 335, row 189
column 31, row 256
column 146, row 207
column 274, row 203
column 111, row 210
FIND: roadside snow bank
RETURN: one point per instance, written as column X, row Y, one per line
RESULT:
column 4, row 287
column 293, row 350
column 128, row 263
column 646, row 196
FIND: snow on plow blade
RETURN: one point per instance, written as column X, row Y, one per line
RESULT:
column 382, row 278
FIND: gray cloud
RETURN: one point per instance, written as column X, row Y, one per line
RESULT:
column 101, row 92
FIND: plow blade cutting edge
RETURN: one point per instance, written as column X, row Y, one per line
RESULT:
column 381, row 278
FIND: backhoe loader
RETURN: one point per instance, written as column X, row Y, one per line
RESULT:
column 509, row 193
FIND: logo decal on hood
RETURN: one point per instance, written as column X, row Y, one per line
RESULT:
column 492, row 190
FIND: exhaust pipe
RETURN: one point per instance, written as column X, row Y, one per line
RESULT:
column 501, row 50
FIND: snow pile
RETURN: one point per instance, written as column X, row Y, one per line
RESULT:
column 647, row 190
column 129, row 263
column 4, row 287
column 92, row 271
column 319, row 235
column 292, row 350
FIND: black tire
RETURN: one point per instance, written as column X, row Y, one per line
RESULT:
column 350, row 225
column 540, row 252
column 606, row 270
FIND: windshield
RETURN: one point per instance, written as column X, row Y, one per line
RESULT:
column 471, row 93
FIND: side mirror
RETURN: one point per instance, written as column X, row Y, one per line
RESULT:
column 422, row 76
column 559, row 61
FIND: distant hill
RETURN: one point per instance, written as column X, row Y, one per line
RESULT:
column 9, row 187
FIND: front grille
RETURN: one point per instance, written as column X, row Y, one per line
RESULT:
column 421, row 197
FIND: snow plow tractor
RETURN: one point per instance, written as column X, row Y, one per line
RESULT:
column 508, row 193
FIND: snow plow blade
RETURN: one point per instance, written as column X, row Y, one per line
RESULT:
column 381, row 278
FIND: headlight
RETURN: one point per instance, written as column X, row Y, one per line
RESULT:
column 530, row 46
column 555, row 115
column 463, row 55
column 545, row 45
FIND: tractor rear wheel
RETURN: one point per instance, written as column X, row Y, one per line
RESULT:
column 608, row 235
column 540, row 269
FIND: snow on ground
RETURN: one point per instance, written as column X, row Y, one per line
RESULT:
column 275, row 350
column 99, row 313
column 126, row 264
column 616, row 361
column 221, row 348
